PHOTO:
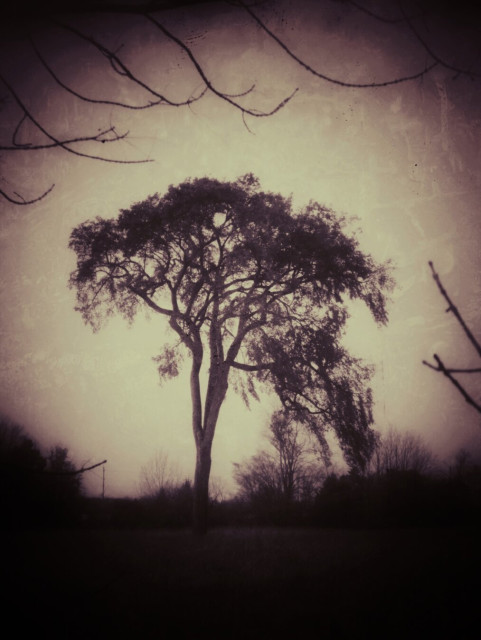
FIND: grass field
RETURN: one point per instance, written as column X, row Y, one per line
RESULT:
column 243, row 583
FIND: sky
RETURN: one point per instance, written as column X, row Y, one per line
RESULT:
column 402, row 160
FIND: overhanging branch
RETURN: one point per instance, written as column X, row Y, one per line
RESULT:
column 322, row 76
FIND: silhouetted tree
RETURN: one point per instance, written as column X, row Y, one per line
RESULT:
column 94, row 23
column 288, row 472
column 248, row 286
column 157, row 475
column 35, row 489
column 398, row 451
column 440, row 366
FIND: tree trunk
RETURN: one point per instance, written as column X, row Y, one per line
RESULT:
column 201, row 489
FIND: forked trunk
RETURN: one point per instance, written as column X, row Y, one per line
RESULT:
column 201, row 489
column 204, row 430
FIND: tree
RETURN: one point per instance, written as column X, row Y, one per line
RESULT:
column 248, row 286
column 440, row 366
column 401, row 452
column 258, row 477
column 157, row 475
column 36, row 489
column 128, row 89
column 288, row 472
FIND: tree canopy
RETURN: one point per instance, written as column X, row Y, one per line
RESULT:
column 248, row 282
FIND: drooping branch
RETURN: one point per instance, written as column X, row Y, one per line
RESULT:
column 150, row 11
column 21, row 200
column 114, row 103
column 121, row 68
column 222, row 95
column 437, row 59
column 322, row 76
column 56, row 142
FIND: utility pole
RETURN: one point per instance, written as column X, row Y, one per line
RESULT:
column 103, row 482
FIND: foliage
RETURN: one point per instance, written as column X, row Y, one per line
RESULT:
column 250, row 285
column 35, row 489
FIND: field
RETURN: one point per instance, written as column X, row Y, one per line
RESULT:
column 242, row 583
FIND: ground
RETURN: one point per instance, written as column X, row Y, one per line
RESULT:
column 243, row 583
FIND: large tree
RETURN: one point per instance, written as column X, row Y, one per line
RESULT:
column 248, row 285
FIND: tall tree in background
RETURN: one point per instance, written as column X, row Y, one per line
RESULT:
column 247, row 285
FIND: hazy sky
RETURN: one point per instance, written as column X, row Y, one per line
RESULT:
column 404, row 159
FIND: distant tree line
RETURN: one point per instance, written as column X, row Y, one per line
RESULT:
column 401, row 486
column 288, row 483
column 36, row 489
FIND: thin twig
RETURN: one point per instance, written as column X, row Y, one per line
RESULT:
column 322, row 76
column 62, row 144
column 458, row 386
column 201, row 72
column 434, row 56
column 22, row 200
column 123, row 70
column 452, row 307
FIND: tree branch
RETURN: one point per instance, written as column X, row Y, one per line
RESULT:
column 122, row 70
column 322, row 76
column 250, row 367
column 61, row 143
column 453, row 380
column 452, row 307
column 210, row 86
column 433, row 55
column 22, row 200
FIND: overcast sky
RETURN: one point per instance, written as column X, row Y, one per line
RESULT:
column 403, row 159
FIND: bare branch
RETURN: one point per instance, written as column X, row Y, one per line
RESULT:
column 99, row 137
column 434, row 56
column 84, row 98
column 322, row 76
column 458, row 386
column 210, row 86
column 452, row 307
column 63, row 144
column 123, row 70
column 22, row 200
column 379, row 17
